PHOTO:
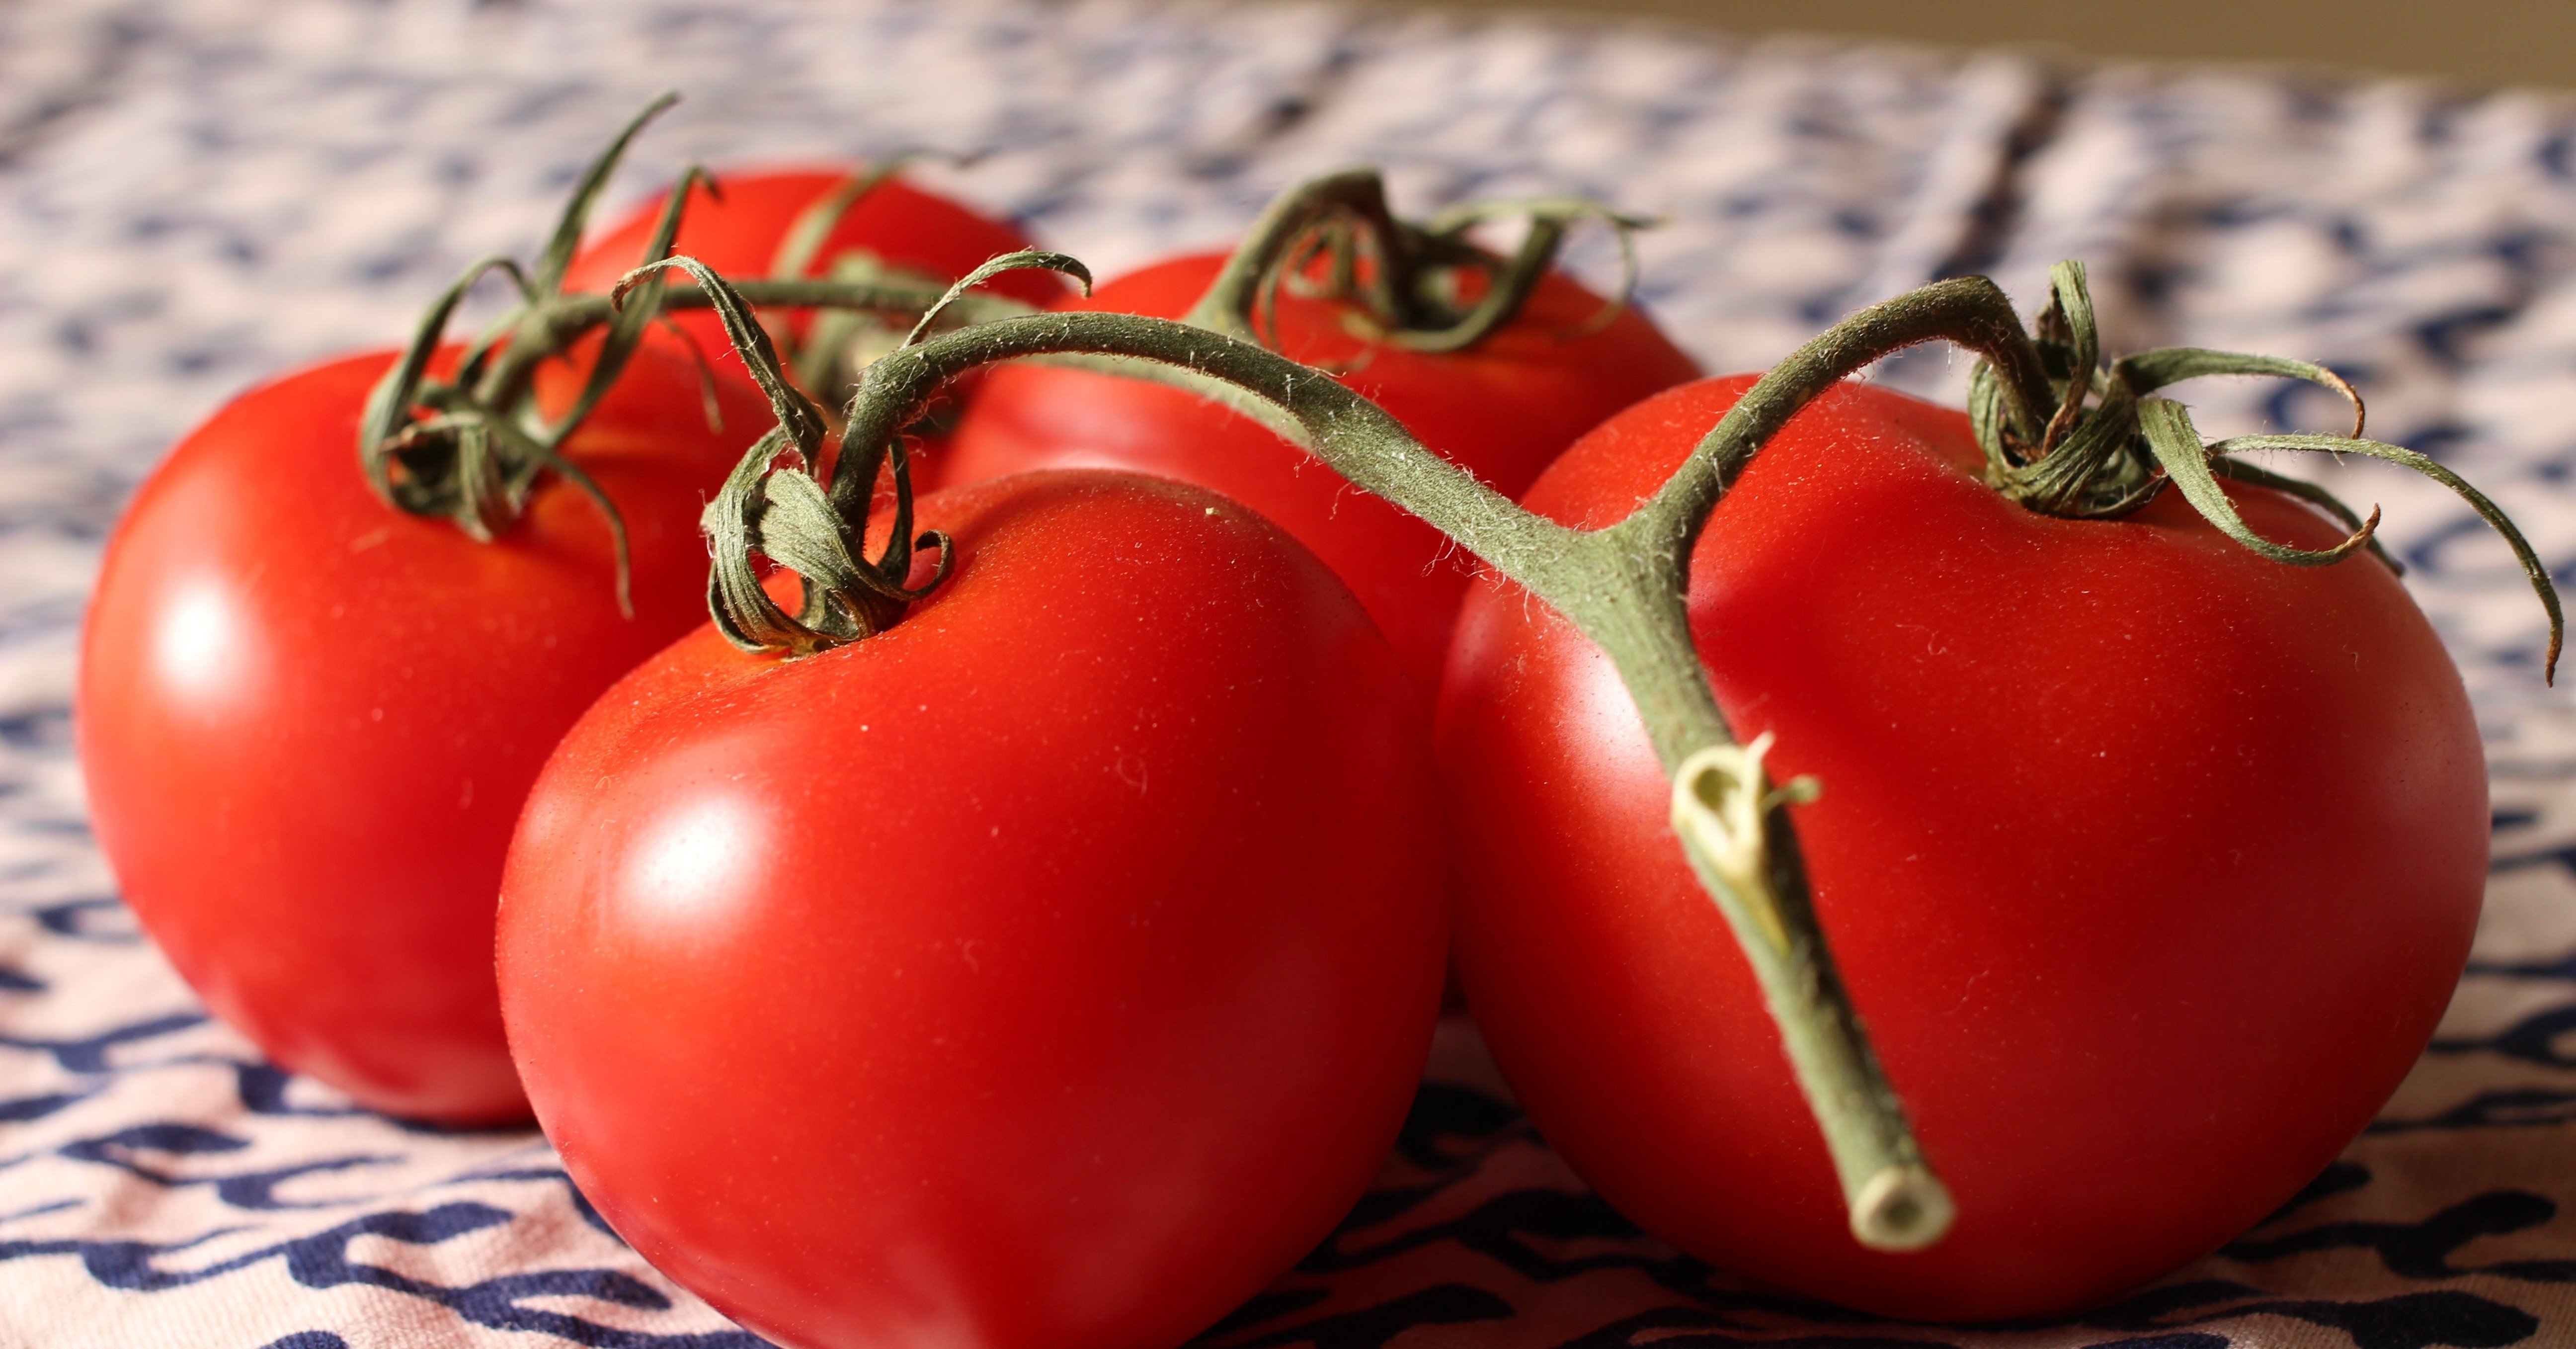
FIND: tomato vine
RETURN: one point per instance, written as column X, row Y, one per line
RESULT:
column 2064, row 433
column 2058, row 427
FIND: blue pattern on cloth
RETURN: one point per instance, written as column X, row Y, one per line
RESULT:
column 194, row 196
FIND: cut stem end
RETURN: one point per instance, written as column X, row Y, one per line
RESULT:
column 1901, row 1208
column 1724, row 808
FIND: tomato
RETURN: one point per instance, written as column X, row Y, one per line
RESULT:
column 739, row 235
column 1501, row 409
column 1050, row 969
column 2149, row 863
column 307, row 720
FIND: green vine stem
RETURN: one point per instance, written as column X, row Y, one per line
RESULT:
column 1625, row 587
column 471, row 448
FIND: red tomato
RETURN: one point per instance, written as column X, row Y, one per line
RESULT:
column 307, row 719
column 740, row 234
column 2150, row 863
column 1048, row 971
column 1502, row 409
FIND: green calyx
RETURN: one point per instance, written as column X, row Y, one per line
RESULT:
column 1424, row 287
column 772, row 505
column 2109, row 446
column 472, row 447
column 475, row 458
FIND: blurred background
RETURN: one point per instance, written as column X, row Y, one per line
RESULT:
column 2473, row 42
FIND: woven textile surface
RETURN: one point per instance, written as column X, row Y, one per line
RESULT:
column 195, row 196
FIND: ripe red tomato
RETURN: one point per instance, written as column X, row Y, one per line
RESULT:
column 1048, row 971
column 307, row 719
column 1501, row 409
column 740, row 233
column 2149, row 863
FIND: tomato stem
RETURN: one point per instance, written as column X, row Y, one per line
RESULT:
column 1624, row 587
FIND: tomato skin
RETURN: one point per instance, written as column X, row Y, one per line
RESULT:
column 739, row 234
column 1051, row 969
column 2150, row 864
column 1501, row 409
column 307, row 720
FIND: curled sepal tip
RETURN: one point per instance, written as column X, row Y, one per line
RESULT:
column 2068, row 327
column 989, row 268
column 2195, row 468
column 1733, row 827
column 2532, row 567
column 2148, row 371
column 631, row 313
column 741, row 608
column 797, row 415
column 2185, row 460
column 772, row 506
column 556, row 261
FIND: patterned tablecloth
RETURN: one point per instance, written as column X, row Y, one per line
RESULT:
column 195, row 195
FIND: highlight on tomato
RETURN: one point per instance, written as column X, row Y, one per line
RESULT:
column 1033, row 937
column 2148, row 861
column 306, row 719
column 1498, row 363
column 338, row 631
